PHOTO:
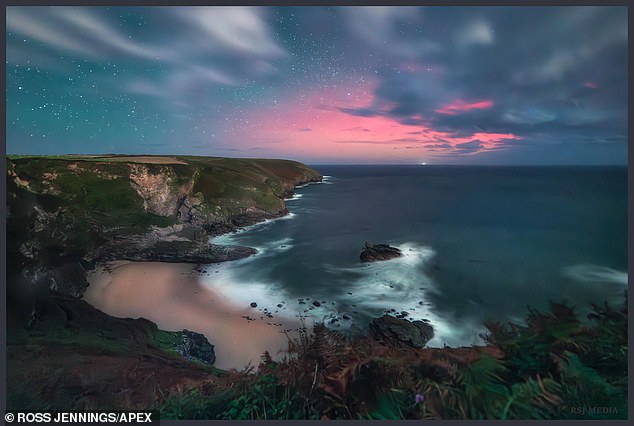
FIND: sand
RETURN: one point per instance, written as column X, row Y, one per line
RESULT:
column 171, row 296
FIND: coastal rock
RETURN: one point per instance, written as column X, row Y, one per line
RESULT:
column 132, row 355
column 157, row 189
column 238, row 221
column 401, row 333
column 147, row 249
column 253, row 216
column 374, row 252
column 178, row 243
column 181, row 231
column 65, row 215
column 195, row 346
column 68, row 278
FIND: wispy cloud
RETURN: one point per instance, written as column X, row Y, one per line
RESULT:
column 459, row 106
column 207, row 47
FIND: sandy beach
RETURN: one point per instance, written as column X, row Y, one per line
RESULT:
column 171, row 296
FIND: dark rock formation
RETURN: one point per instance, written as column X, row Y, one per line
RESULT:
column 195, row 346
column 178, row 243
column 374, row 252
column 142, row 250
column 66, row 354
column 65, row 215
column 401, row 333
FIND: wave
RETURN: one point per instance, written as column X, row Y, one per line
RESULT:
column 590, row 273
column 229, row 239
column 324, row 180
column 271, row 298
column 294, row 197
column 368, row 291
column 402, row 285
column 274, row 247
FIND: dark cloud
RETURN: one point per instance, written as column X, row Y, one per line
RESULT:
column 438, row 146
column 205, row 47
column 361, row 112
column 548, row 72
column 398, row 142
column 173, row 78
column 471, row 146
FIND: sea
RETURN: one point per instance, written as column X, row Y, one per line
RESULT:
column 479, row 244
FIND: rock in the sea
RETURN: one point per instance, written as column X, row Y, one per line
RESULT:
column 254, row 305
column 195, row 346
column 401, row 333
column 374, row 252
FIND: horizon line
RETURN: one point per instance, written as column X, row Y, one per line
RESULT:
column 419, row 163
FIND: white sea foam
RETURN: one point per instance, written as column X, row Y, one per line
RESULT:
column 274, row 247
column 270, row 297
column 324, row 180
column 589, row 273
column 400, row 284
column 229, row 239
column 242, row 293
column 294, row 197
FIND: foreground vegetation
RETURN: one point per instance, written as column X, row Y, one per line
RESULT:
column 554, row 366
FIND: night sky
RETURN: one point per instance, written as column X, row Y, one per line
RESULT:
column 441, row 85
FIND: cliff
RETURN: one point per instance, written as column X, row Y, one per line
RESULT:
column 66, row 213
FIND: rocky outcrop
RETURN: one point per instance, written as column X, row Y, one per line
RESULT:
column 64, row 353
column 401, row 333
column 179, row 243
column 64, row 214
column 195, row 346
column 374, row 252
column 158, row 190
column 140, row 249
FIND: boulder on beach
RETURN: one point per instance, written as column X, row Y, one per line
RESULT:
column 195, row 346
column 401, row 333
column 374, row 252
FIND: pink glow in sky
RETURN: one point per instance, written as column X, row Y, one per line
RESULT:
column 310, row 126
column 458, row 106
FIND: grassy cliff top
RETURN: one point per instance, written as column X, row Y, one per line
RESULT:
column 126, row 194
column 221, row 170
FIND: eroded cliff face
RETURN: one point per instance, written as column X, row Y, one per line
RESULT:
column 160, row 194
column 65, row 214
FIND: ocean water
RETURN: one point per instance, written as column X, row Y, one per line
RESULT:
column 479, row 243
